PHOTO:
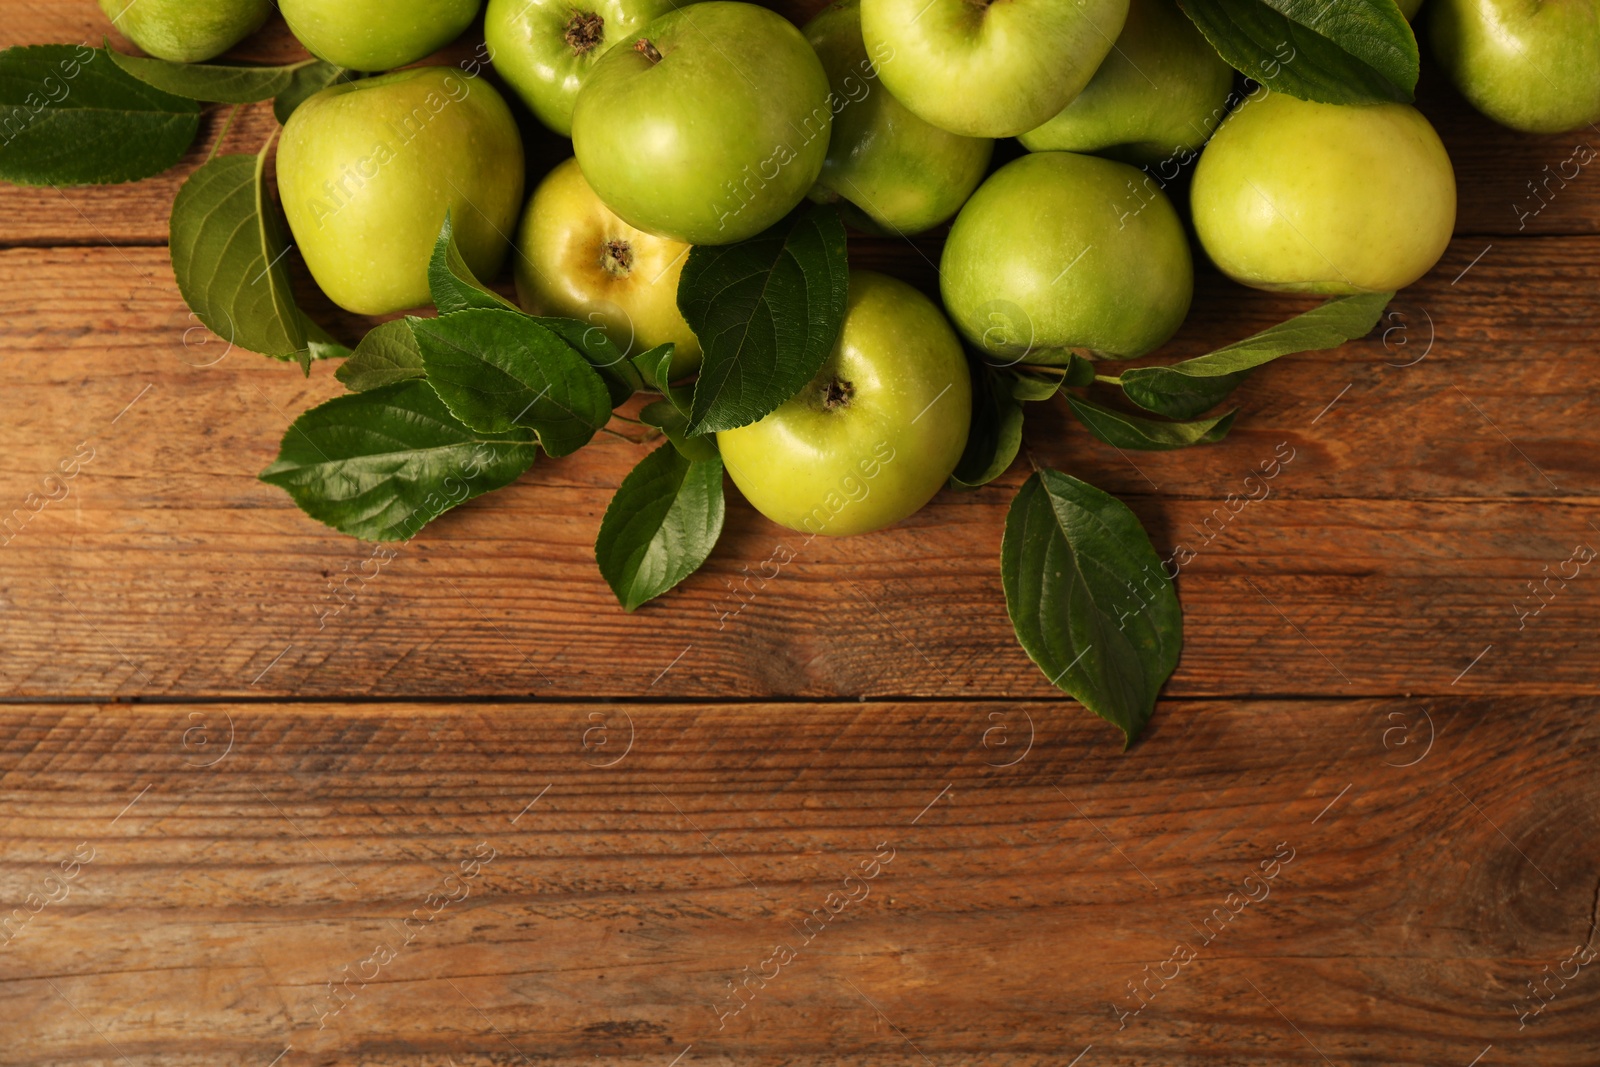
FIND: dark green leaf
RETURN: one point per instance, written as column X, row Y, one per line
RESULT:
column 655, row 369
column 662, row 524
column 1179, row 395
column 996, row 433
column 70, row 116
column 1184, row 390
column 222, row 83
column 1088, row 598
column 667, row 418
column 307, row 82
column 767, row 311
column 451, row 281
column 1079, row 371
column 228, row 249
column 1336, row 51
column 1035, row 383
column 319, row 344
column 593, row 344
column 381, row 464
column 319, row 349
column 455, row 288
column 1131, row 431
column 499, row 369
column 387, row 354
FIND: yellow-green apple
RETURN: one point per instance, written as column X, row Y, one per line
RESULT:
column 545, row 48
column 1158, row 96
column 186, row 31
column 368, row 169
column 989, row 68
column 905, row 175
column 376, row 34
column 707, row 127
column 578, row 259
column 879, row 430
column 1058, row 251
column 1324, row 198
column 1527, row 64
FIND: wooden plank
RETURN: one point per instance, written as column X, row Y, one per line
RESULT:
column 1494, row 166
column 245, row 856
column 1392, row 551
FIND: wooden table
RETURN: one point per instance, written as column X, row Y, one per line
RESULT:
column 479, row 815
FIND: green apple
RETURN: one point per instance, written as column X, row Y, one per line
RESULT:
column 1159, row 95
column 376, row 34
column 545, row 48
column 577, row 259
column 186, row 31
column 1058, row 251
column 879, row 430
column 368, row 169
column 1324, row 198
column 1530, row 65
column 989, row 68
column 904, row 174
column 708, row 127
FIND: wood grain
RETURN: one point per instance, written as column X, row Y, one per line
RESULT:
column 245, row 855
column 670, row 794
column 1396, row 545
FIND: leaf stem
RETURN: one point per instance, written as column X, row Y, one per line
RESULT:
column 1108, row 379
column 222, row 133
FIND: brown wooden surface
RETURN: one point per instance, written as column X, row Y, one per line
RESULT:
column 1355, row 684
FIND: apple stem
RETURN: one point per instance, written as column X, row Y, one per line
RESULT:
column 648, row 50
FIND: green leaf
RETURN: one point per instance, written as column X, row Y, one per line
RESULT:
column 595, row 345
column 767, row 312
column 227, row 247
column 496, row 370
column 1131, row 431
column 1035, row 383
column 1179, row 395
column 456, row 288
column 1088, row 598
column 1184, row 390
column 380, row 465
column 662, row 524
column 451, row 281
column 219, row 82
column 996, row 434
column 387, row 354
column 655, row 369
column 70, row 116
column 1336, row 51
column 670, row 420
column 320, row 349
column 306, row 82
column 1078, row 371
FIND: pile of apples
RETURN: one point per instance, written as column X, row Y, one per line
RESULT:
column 707, row 123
